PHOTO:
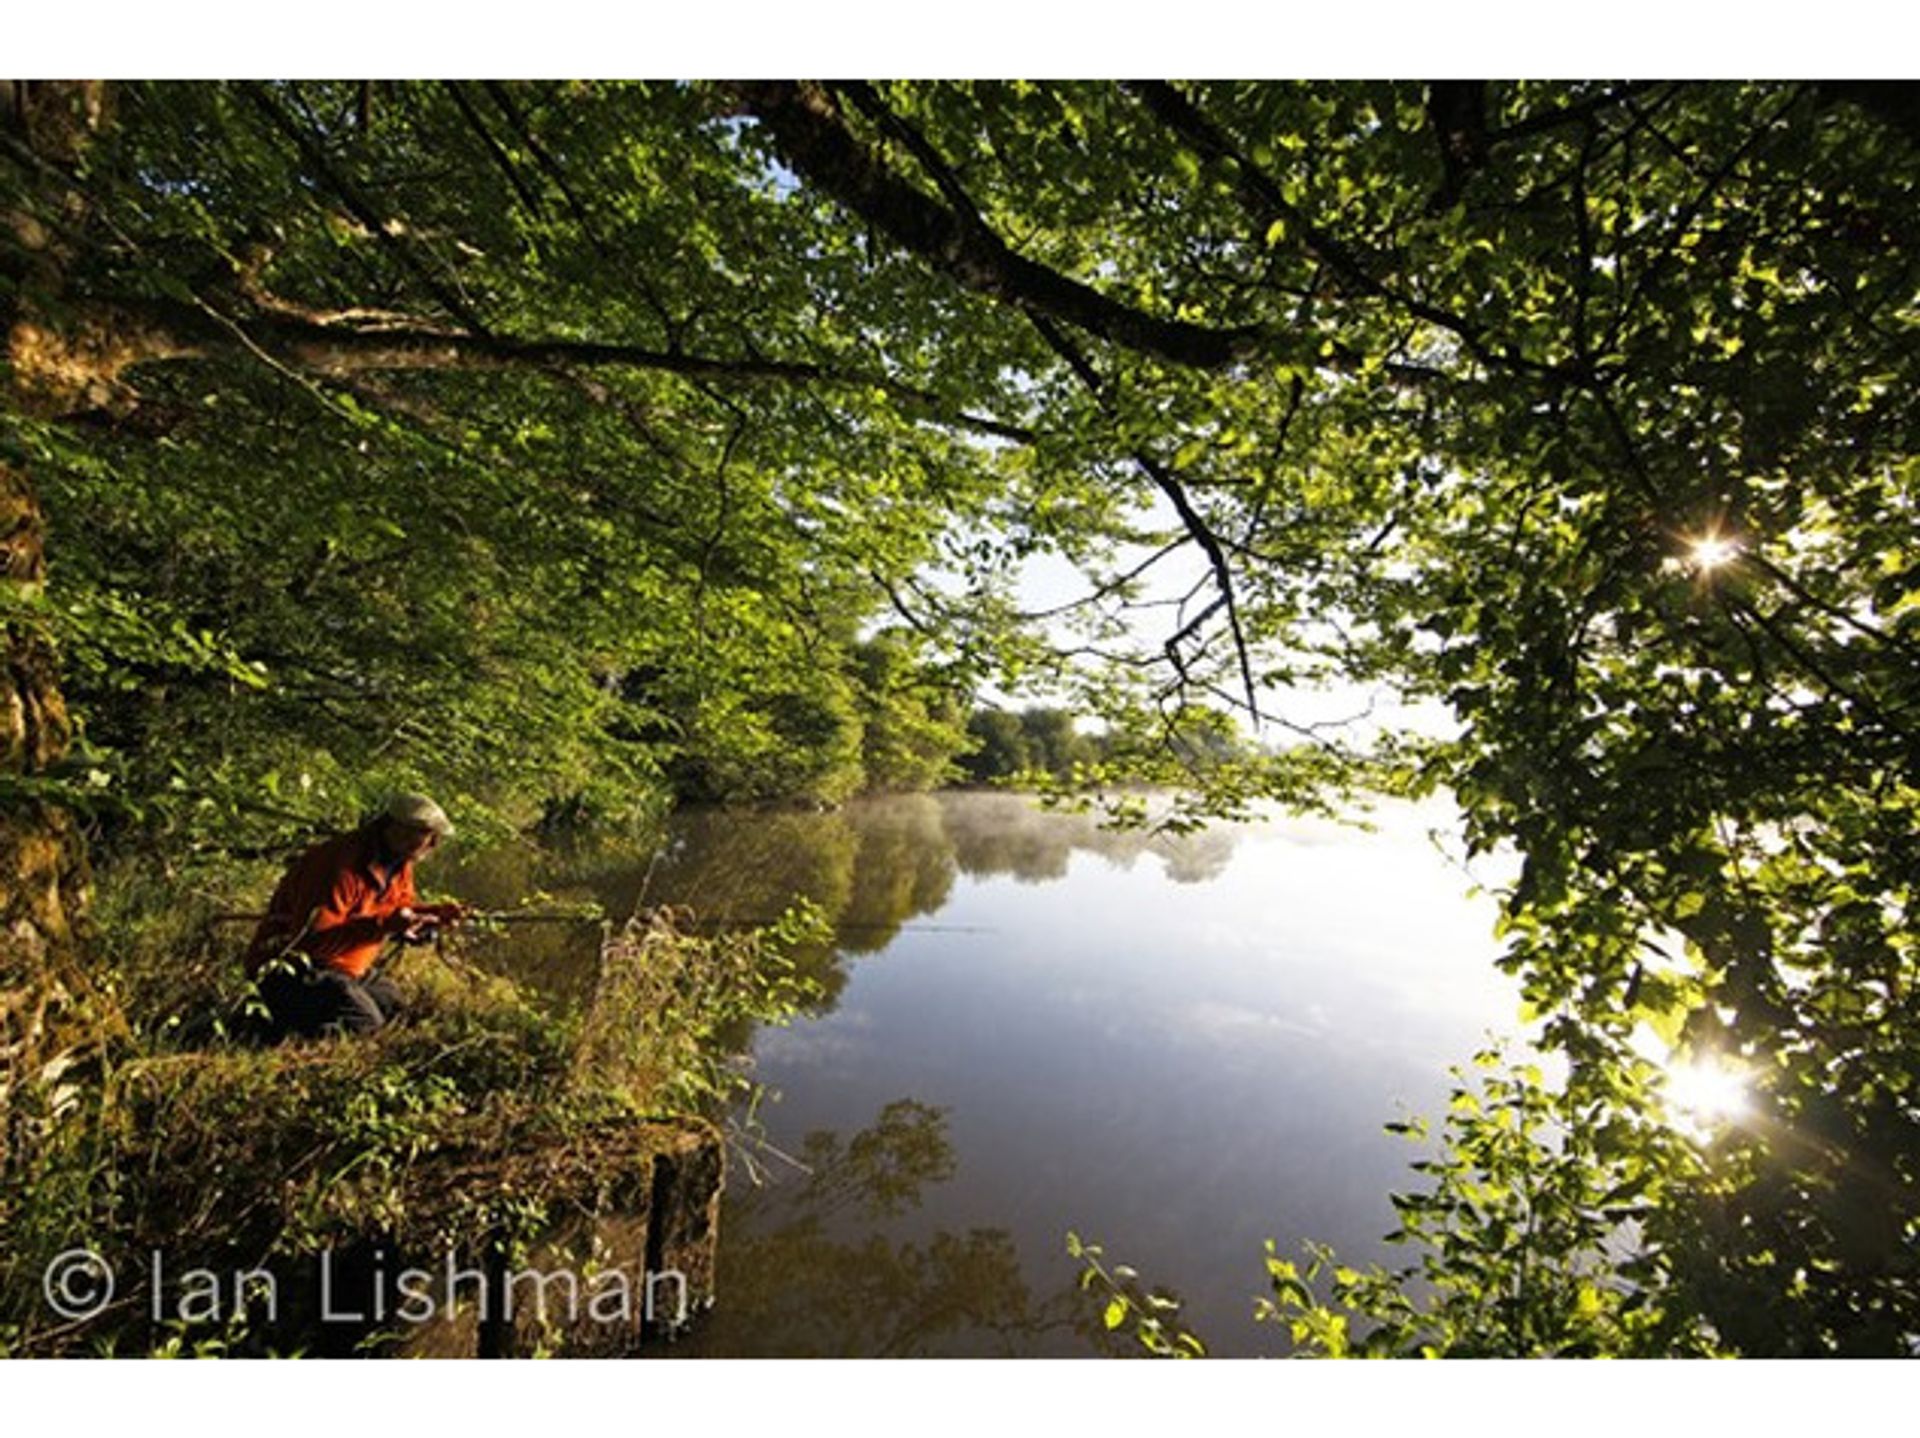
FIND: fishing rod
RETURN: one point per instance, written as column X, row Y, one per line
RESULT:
column 490, row 916
column 509, row 916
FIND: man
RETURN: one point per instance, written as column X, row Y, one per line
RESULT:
column 333, row 912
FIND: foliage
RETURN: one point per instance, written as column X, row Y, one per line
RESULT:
column 280, row 592
column 208, row 1148
column 550, row 436
column 1000, row 749
column 1035, row 744
column 1531, row 1239
column 911, row 716
column 1150, row 1318
column 666, row 1002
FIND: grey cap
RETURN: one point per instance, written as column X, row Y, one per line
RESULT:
column 421, row 812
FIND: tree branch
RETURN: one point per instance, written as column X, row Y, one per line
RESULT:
column 361, row 208
column 149, row 329
column 1267, row 202
column 501, row 160
column 807, row 126
column 1457, row 114
column 503, row 101
column 1202, row 533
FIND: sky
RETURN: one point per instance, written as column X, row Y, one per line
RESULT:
column 1049, row 581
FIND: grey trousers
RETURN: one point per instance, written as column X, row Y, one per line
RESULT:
column 326, row 1001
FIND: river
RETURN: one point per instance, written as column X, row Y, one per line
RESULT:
column 1177, row 1047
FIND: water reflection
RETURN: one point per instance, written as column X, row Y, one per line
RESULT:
column 880, row 862
column 812, row 1265
column 1178, row 1047
column 871, row 867
column 1004, row 834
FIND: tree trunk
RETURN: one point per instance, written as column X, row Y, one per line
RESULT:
column 42, row 861
column 43, row 873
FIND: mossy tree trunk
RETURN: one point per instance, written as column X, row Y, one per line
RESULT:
column 40, row 862
column 42, row 858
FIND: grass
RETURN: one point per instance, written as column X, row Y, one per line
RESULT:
column 456, row 1129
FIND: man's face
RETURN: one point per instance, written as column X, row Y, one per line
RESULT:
column 409, row 841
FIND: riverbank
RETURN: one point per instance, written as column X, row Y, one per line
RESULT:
column 185, row 1191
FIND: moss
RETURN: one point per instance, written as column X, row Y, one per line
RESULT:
column 482, row 1124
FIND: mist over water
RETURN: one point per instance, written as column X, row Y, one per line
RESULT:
column 1177, row 1046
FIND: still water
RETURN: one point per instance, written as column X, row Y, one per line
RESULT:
column 1175, row 1047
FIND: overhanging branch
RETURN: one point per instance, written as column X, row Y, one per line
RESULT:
column 147, row 330
column 806, row 125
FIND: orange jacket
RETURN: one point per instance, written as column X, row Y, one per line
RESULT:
column 337, row 904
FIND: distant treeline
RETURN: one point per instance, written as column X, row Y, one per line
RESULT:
column 1008, row 743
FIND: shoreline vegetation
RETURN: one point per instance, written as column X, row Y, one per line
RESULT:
column 484, row 1130
column 466, row 1136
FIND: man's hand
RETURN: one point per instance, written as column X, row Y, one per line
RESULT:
column 419, row 924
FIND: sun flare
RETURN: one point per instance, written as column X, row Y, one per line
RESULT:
column 1707, row 1092
column 1712, row 552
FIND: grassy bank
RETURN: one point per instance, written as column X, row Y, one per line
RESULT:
column 467, row 1127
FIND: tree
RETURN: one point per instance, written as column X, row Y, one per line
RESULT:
column 1050, row 735
column 43, row 871
column 473, row 539
column 1584, row 410
column 913, row 715
column 1000, row 746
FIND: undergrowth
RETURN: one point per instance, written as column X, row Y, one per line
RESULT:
column 178, row 1133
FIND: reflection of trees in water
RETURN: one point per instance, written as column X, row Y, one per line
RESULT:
column 1010, row 834
column 871, row 868
column 733, row 866
column 806, row 1266
column 560, row 960
column 805, row 1270
column 904, row 866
